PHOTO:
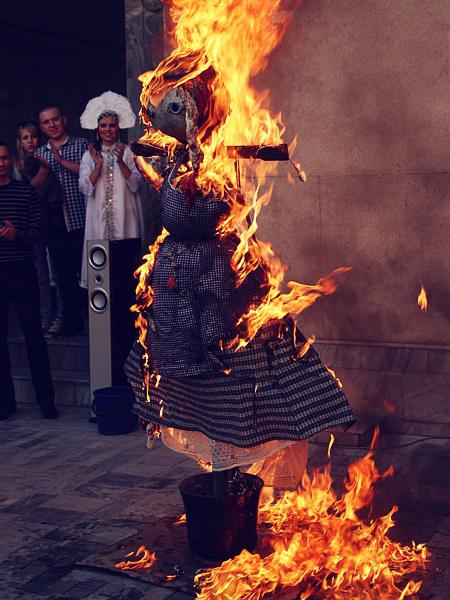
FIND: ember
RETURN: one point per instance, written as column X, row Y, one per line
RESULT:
column 181, row 520
column 322, row 547
column 422, row 301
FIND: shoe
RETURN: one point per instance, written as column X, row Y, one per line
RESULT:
column 49, row 412
column 7, row 411
column 69, row 330
column 45, row 324
column 54, row 327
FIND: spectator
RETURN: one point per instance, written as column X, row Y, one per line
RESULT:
column 108, row 176
column 63, row 154
column 20, row 228
column 36, row 171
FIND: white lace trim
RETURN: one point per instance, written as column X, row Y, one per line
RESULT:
column 217, row 455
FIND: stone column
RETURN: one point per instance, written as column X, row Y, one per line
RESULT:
column 144, row 23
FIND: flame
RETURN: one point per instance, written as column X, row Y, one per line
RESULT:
column 330, row 445
column 228, row 43
column 306, row 346
column 181, row 520
column 146, row 561
column 321, row 547
column 204, row 465
column 236, row 39
column 276, row 305
column 422, row 300
column 149, row 172
column 144, row 299
column 335, row 377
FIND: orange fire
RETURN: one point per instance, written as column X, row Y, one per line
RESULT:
column 422, row 301
column 146, row 561
column 144, row 298
column 335, row 377
column 235, row 39
column 321, row 547
column 181, row 520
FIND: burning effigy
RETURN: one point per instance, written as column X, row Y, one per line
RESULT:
column 220, row 370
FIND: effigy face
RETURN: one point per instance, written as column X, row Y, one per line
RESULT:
column 169, row 115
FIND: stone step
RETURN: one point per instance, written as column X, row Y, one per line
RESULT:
column 358, row 435
column 71, row 387
column 66, row 354
column 423, row 428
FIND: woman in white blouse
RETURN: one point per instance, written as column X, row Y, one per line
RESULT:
column 108, row 176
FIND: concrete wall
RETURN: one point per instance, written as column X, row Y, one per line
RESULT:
column 364, row 84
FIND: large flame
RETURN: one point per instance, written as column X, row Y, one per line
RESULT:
column 321, row 547
column 232, row 40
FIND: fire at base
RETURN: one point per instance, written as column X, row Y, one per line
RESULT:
column 322, row 548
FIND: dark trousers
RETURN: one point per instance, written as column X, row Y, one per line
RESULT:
column 19, row 285
column 76, row 248
column 63, row 250
column 76, row 241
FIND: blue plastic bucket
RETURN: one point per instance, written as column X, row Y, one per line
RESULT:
column 112, row 406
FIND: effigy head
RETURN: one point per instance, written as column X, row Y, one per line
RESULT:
column 169, row 115
column 183, row 98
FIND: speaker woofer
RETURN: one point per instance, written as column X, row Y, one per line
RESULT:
column 97, row 257
column 98, row 300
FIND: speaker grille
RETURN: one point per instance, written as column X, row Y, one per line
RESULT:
column 98, row 300
column 97, row 257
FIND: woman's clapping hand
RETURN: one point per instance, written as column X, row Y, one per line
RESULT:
column 118, row 151
column 96, row 155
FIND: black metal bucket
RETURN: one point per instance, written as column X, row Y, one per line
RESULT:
column 220, row 527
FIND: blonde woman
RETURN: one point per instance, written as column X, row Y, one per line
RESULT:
column 33, row 169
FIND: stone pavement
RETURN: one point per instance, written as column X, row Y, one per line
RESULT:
column 67, row 492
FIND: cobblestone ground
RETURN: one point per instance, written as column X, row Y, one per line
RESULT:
column 67, row 492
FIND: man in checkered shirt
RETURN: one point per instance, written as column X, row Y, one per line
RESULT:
column 63, row 154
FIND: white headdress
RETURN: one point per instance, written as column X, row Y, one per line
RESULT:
column 108, row 104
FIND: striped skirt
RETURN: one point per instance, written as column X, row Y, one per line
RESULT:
column 267, row 395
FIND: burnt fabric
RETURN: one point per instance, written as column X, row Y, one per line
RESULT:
column 195, row 298
column 248, row 397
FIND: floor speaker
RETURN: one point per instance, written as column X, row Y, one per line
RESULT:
column 111, row 293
